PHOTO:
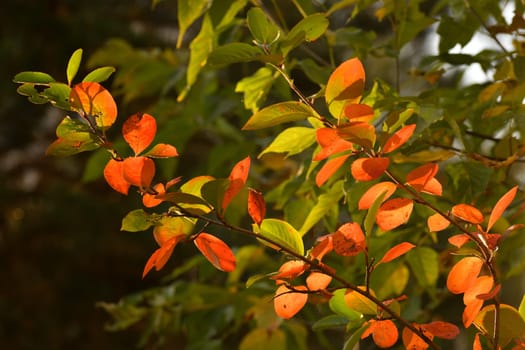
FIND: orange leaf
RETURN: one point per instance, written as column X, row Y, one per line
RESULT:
column 329, row 168
column 467, row 213
column 138, row 171
column 322, row 247
column 113, row 173
column 318, row 281
column 238, row 177
column 149, row 200
column 441, row 329
column 358, row 112
column 477, row 343
column 413, row 342
column 330, row 143
column 288, row 303
column 139, row 131
column 370, row 329
column 366, row 169
column 396, row 251
column 482, row 285
column 370, row 196
column 349, row 239
column 399, row 138
column 433, row 186
column 471, row 311
column 216, row 251
column 393, row 213
column 500, row 206
column 419, row 177
column 345, row 85
column 437, row 222
column 94, row 101
column 291, row 269
column 256, row 206
column 458, row 240
column 385, row 333
column 160, row 257
column 162, row 150
column 464, row 274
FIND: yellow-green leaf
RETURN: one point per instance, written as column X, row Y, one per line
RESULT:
column 279, row 113
column 280, row 232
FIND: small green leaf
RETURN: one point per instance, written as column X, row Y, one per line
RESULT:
column 370, row 218
column 308, row 29
column 511, row 324
column 255, row 88
column 330, row 322
column 187, row 13
column 338, row 305
column 281, row 232
column 424, row 263
column 291, row 141
column 29, row 90
column 234, row 53
column 99, row 75
column 324, row 205
column 58, row 95
column 262, row 28
column 254, row 279
column 193, row 204
column 279, row 113
column 355, row 337
column 136, row 220
column 33, row 77
column 69, row 125
column 213, row 191
column 72, row 65
column 73, row 143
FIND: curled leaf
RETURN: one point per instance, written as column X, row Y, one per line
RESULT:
column 149, row 200
column 458, row 240
column 345, row 86
column 216, row 251
column 322, row 247
column 162, row 150
column 370, row 196
column 419, row 177
column 160, row 257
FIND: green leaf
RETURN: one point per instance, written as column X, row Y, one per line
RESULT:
column 72, row 65
column 33, row 77
column 279, row 113
column 355, row 337
column 213, row 191
column 511, row 324
column 58, row 95
column 99, row 75
column 452, row 32
column 330, row 322
column 33, row 95
column 262, row 28
column 73, row 143
column 193, row 204
column 308, row 29
column 370, row 218
column 234, row 53
column 136, row 220
column 338, row 305
column 324, row 205
column 261, row 339
column 424, row 263
column 69, row 125
column 414, row 22
column 390, row 280
column 360, row 303
column 282, row 233
column 187, row 13
column 522, row 307
column 291, row 141
column 255, row 88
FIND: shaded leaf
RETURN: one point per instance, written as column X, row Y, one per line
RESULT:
column 367, row 169
column 33, row 77
column 358, row 112
column 396, row 251
column 394, row 213
column 424, row 263
column 512, row 325
column 93, row 100
column 325, row 203
column 345, row 86
column 138, row 171
column 330, row 322
column 136, row 221
column 441, row 329
column 256, row 206
column 386, row 188
column 216, row 251
column 331, row 143
column 234, row 53
column 191, row 203
column 291, row 269
column 309, row 28
column 288, row 303
column 362, row 134
column 114, row 175
column 358, row 302
column 467, row 213
column 262, row 28
column 187, row 13
column 399, row 138
column 278, row 113
column 500, row 206
column 420, row 177
column 349, row 239
column 464, row 274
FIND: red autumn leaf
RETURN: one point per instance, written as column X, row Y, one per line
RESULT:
column 330, row 143
column 385, row 333
column 471, row 311
column 370, row 196
column 160, row 257
column 413, row 342
column 463, row 274
column 500, row 206
column 458, row 240
column 114, row 175
column 216, row 251
column 399, row 138
column 370, row 329
column 393, row 213
column 329, row 168
column 256, row 206
column 358, row 112
column 291, row 269
column 139, row 131
column 467, row 213
column 441, row 329
column 162, row 150
column 138, row 171
column 349, row 239
column 94, row 101
column 322, row 247
column 238, row 177
column 149, row 200
column 419, row 177
column 434, row 187
column 318, row 281
column 345, row 85
column 362, row 134
column 396, row 251
column 288, row 303
column 437, row 222
column 367, row 169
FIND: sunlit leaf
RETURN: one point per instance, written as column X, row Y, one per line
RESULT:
column 256, row 206
column 278, row 113
column 318, row 281
column 114, row 175
column 367, row 169
column 396, row 251
column 149, row 200
column 369, row 197
column 322, row 247
column 281, row 232
column 433, row 187
column 399, row 138
column 161, row 256
column 33, row 77
column 437, row 222
column 291, row 269
column 138, row 171
column 216, row 251
column 93, row 100
column 262, row 28
column 358, row 112
column 458, row 240
column 309, row 28
column 162, row 150
column 349, row 239
column 237, row 178
column 291, row 141
column 256, row 87
column 338, row 305
column 99, row 75
column 73, row 65
column 385, row 333
column 191, row 203
column 358, row 302
column 501, row 205
column 167, row 227
column 467, row 213
column 329, row 168
column 413, row 342
column 464, row 274
column 394, row 213
column 73, row 143
column 477, row 343
column 345, row 86
column 482, row 285
column 419, row 177
column 139, row 130
column 362, row 134
column 136, row 220
column 325, row 203
column 331, row 143
column 288, row 303
column 187, row 13
column 234, row 53
column 512, row 325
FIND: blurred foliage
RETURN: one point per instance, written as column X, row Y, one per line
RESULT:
column 60, row 238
